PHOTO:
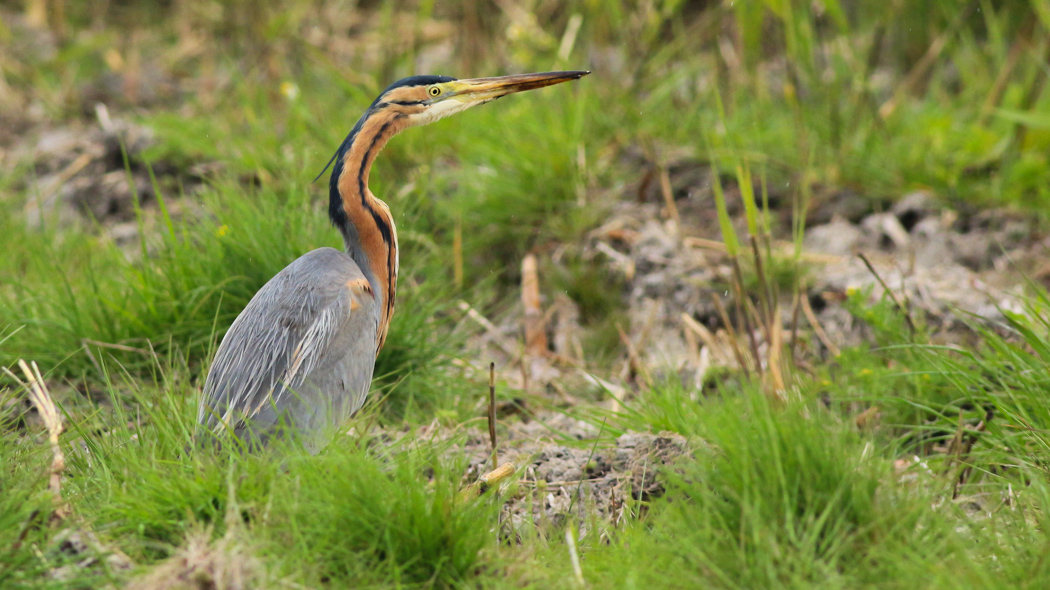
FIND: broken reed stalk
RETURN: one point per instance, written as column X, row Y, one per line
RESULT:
column 45, row 406
column 488, row 481
column 492, row 414
column 886, row 288
column 501, row 472
column 535, row 330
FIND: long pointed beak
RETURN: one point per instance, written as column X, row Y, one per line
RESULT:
column 486, row 89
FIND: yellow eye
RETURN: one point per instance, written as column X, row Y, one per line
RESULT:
column 434, row 91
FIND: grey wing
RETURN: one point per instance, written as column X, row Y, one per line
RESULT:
column 306, row 340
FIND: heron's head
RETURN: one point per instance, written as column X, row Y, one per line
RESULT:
column 425, row 99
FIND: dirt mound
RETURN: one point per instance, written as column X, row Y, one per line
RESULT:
column 581, row 481
column 99, row 174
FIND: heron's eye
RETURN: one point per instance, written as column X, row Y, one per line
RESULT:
column 434, row 91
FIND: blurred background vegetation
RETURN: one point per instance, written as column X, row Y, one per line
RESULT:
column 820, row 100
column 876, row 97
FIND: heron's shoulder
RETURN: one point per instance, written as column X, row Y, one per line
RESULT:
column 323, row 258
column 326, row 265
column 315, row 280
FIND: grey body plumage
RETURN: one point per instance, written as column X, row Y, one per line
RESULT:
column 302, row 352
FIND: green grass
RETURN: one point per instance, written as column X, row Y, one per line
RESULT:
column 792, row 100
column 774, row 494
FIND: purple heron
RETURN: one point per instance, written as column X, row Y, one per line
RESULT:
column 302, row 352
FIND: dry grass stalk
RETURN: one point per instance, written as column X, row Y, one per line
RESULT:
column 492, row 414
column 776, row 345
column 1017, row 50
column 796, row 304
column 226, row 564
column 814, row 323
column 918, row 71
column 635, row 365
column 734, row 340
column 574, row 557
column 45, row 406
column 781, row 247
column 767, row 296
column 693, row 346
column 888, row 291
column 700, row 330
column 624, row 261
column 567, row 329
column 120, row 347
column 493, row 331
column 961, row 446
column 668, row 194
column 740, row 301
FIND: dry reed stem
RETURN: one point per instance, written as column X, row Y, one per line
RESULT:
column 45, row 406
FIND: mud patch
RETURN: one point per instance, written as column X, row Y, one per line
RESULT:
column 594, row 484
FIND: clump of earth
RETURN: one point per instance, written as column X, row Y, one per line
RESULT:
column 564, row 474
column 97, row 174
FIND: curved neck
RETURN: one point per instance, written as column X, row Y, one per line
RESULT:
column 365, row 221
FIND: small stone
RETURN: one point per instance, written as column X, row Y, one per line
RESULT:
column 913, row 208
column 887, row 230
column 838, row 238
